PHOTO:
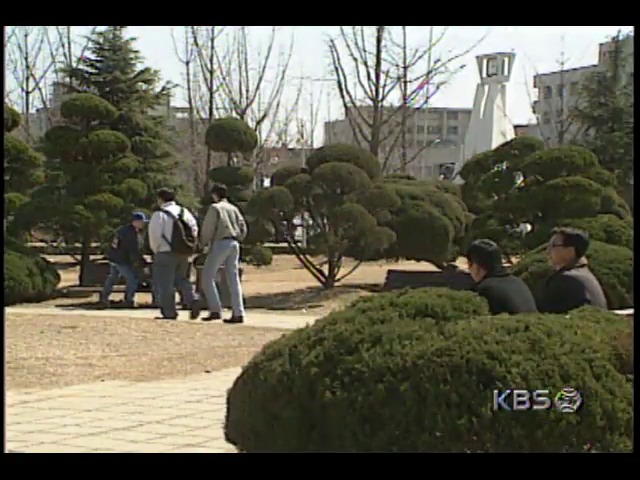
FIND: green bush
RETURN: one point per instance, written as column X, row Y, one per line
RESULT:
column 612, row 266
column 28, row 277
column 366, row 380
column 260, row 256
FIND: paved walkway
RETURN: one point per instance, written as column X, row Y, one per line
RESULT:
column 174, row 416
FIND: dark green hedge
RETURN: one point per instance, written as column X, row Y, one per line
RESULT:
column 612, row 265
column 383, row 378
column 28, row 277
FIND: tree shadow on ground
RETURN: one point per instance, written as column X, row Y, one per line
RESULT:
column 309, row 298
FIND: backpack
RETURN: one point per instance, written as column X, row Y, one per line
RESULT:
column 182, row 239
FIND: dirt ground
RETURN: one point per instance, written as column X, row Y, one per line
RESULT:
column 282, row 286
column 44, row 352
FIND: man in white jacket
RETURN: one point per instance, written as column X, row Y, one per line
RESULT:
column 170, row 268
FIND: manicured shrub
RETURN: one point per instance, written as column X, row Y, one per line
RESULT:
column 400, row 385
column 28, row 278
column 612, row 265
column 260, row 256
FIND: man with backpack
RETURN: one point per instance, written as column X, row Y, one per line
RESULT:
column 173, row 238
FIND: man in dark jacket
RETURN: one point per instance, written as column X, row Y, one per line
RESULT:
column 572, row 285
column 504, row 292
column 125, row 258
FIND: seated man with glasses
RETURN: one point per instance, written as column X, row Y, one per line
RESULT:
column 572, row 285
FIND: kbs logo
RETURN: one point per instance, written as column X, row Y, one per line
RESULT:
column 567, row 400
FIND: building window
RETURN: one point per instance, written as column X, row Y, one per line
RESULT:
column 434, row 130
column 546, row 118
column 453, row 115
column 453, row 131
column 421, row 129
column 548, row 92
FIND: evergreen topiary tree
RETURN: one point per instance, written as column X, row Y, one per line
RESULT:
column 23, row 169
column 605, row 112
column 231, row 135
column 429, row 222
column 112, row 70
column 92, row 184
column 332, row 196
column 513, row 186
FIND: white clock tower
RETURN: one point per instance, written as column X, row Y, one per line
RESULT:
column 490, row 126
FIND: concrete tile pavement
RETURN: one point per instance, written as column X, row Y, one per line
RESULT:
column 169, row 416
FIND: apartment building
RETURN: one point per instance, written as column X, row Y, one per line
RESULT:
column 558, row 92
column 434, row 138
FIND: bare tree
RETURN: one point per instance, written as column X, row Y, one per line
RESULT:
column 246, row 87
column 30, row 64
column 553, row 107
column 382, row 66
column 207, row 84
column 373, row 78
column 187, row 55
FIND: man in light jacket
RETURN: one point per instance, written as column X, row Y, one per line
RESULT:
column 223, row 229
column 170, row 269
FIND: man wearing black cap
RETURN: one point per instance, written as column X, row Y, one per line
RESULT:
column 572, row 285
column 505, row 293
column 125, row 256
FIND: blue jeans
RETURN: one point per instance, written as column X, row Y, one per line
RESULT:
column 223, row 252
column 115, row 272
column 171, row 270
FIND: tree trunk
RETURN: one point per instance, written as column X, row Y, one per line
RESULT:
column 85, row 259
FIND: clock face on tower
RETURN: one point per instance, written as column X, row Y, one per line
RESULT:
column 492, row 67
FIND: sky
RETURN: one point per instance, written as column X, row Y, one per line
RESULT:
column 538, row 49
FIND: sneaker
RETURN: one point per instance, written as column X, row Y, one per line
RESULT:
column 234, row 320
column 103, row 304
column 212, row 316
column 128, row 304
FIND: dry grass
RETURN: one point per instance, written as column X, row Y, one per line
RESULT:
column 44, row 352
column 282, row 286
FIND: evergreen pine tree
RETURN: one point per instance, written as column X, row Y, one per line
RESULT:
column 605, row 111
column 112, row 69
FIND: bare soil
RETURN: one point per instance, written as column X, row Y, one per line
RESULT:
column 44, row 352
column 283, row 286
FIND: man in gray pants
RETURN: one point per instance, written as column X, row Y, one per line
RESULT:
column 170, row 268
column 223, row 229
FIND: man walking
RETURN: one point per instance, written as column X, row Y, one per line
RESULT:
column 173, row 234
column 572, row 285
column 125, row 259
column 223, row 229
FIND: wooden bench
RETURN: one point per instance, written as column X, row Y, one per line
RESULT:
column 453, row 279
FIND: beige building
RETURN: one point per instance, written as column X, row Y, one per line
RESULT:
column 558, row 92
column 434, row 138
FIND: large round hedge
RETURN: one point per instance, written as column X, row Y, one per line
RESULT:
column 342, row 153
column 383, row 378
column 28, row 277
column 612, row 265
column 231, row 135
